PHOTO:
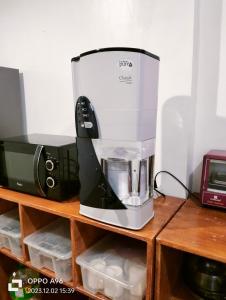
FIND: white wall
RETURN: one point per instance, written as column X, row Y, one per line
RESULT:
column 210, row 122
column 40, row 38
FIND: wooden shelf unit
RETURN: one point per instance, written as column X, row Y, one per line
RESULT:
column 194, row 229
column 36, row 212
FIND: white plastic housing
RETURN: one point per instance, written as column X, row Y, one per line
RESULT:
column 122, row 87
column 134, row 217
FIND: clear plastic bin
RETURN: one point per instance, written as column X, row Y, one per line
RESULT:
column 115, row 267
column 10, row 236
column 50, row 248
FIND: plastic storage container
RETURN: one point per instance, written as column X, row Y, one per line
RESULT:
column 115, row 268
column 10, row 236
column 50, row 248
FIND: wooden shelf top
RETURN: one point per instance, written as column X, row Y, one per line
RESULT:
column 65, row 209
column 164, row 209
column 198, row 230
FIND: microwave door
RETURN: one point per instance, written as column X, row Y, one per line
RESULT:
column 37, row 177
column 17, row 163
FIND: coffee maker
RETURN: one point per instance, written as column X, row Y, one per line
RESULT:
column 115, row 90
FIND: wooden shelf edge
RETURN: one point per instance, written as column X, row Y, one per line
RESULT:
column 165, row 209
column 112, row 228
column 8, row 253
column 42, row 204
column 196, row 230
column 200, row 252
column 97, row 296
column 58, row 209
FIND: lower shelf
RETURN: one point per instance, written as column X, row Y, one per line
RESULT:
column 8, row 253
column 47, row 273
column 8, row 265
column 35, row 212
column 50, row 274
column 182, row 292
column 169, row 279
column 43, row 271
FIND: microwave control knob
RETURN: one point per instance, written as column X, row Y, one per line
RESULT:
column 50, row 182
column 50, row 166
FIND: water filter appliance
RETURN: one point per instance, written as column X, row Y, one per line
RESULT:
column 115, row 90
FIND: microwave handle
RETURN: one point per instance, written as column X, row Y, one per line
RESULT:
column 37, row 156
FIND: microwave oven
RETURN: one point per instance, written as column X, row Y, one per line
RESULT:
column 213, row 184
column 40, row 164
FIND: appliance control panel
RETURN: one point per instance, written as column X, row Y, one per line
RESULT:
column 50, row 165
column 85, row 119
column 51, row 168
column 50, row 182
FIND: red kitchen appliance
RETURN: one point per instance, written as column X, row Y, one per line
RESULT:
column 213, row 185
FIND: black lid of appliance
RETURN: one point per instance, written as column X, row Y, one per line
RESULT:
column 128, row 49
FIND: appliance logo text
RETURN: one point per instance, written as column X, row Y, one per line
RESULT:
column 125, row 63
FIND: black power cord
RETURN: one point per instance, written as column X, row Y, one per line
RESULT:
column 178, row 180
